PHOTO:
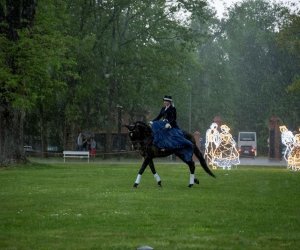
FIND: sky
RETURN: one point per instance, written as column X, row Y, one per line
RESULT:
column 222, row 5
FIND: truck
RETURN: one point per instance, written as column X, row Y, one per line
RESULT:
column 247, row 144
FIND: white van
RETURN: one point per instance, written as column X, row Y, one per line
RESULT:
column 247, row 144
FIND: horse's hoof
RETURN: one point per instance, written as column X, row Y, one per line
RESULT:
column 190, row 185
column 159, row 183
column 196, row 181
column 135, row 185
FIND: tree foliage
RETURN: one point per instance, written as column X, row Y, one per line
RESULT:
column 69, row 64
column 248, row 64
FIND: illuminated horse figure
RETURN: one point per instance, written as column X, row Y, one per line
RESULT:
column 142, row 139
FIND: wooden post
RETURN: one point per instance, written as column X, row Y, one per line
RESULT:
column 274, row 138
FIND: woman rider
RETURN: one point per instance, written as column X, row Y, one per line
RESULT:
column 168, row 113
column 167, row 134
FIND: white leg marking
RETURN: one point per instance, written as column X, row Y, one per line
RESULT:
column 157, row 178
column 192, row 178
column 138, row 179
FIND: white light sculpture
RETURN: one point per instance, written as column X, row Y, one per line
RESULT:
column 212, row 140
column 294, row 156
column 287, row 139
column 225, row 155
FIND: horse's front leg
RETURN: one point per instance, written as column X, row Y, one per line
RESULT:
column 141, row 171
column 156, row 176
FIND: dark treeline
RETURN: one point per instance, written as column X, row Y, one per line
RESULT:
column 67, row 65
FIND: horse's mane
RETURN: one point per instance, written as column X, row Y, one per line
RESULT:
column 141, row 123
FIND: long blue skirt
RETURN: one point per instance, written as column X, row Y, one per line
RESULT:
column 171, row 139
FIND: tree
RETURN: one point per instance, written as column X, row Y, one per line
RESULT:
column 245, row 72
column 15, row 17
column 288, row 41
column 31, row 57
column 82, row 58
column 129, row 53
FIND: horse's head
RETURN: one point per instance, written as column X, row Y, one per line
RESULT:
column 139, row 132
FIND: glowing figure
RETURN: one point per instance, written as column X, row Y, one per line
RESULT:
column 212, row 141
column 226, row 154
column 294, row 156
column 287, row 139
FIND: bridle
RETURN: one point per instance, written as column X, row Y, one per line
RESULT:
column 140, row 135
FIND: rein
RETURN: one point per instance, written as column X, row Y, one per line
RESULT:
column 147, row 141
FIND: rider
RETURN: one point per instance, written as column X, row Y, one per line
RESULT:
column 168, row 113
column 166, row 133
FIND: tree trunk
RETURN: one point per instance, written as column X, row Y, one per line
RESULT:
column 43, row 131
column 14, row 15
column 11, row 136
column 110, row 118
column 113, row 87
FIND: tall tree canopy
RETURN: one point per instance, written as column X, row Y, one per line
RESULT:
column 248, row 64
column 67, row 65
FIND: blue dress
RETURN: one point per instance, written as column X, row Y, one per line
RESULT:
column 173, row 138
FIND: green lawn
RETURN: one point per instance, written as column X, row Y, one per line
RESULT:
column 93, row 206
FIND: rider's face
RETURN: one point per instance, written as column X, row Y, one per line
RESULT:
column 166, row 103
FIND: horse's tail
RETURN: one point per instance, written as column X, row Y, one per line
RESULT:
column 203, row 163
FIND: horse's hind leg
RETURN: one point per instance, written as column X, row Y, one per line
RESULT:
column 156, row 176
column 192, row 168
column 193, row 180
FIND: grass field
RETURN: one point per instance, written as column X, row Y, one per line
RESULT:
column 93, row 206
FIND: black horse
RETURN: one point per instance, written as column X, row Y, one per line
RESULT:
column 141, row 137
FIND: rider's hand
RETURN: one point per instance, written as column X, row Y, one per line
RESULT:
column 150, row 123
column 168, row 125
